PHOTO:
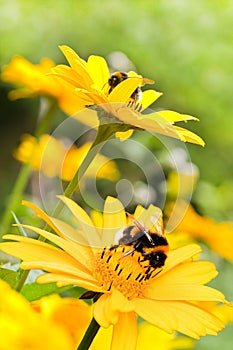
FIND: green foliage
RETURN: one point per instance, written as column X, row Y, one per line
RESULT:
column 35, row 291
column 8, row 276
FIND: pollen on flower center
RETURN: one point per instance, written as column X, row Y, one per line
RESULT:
column 129, row 274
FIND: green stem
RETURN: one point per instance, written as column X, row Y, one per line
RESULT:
column 89, row 335
column 21, row 279
column 103, row 134
column 15, row 197
column 24, row 174
column 46, row 114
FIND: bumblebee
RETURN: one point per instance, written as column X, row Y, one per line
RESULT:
column 117, row 77
column 152, row 244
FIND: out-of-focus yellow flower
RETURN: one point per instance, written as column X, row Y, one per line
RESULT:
column 72, row 314
column 151, row 337
column 88, row 84
column 181, row 184
column 124, row 284
column 51, row 156
column 218, row 236
column 21, row 327
column 32, row 79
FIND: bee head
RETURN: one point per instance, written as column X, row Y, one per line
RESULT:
column 116, row 78
column 157, row 259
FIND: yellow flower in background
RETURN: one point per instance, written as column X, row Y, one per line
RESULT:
column 125, row 285
column 71, row 314
column 54, row 159
column 88, row 84
column 151, row 337
column 218, row 236
column 32, row 79
column 21, row 327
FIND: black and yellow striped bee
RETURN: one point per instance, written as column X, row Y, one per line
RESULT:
column 152, row 244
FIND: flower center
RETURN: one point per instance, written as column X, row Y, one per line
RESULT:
column 127, row 273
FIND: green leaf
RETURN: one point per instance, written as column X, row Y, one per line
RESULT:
column 35, row 291
column 8, row 276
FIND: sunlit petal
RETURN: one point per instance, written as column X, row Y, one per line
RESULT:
column 114, row 219
column 98, row 70
column 86, row 225
column 125, row 332
column 192, row 320
column 149, row 97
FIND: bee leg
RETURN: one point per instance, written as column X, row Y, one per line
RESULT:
column 114, row 247
column 135, row 247
column 128, row 253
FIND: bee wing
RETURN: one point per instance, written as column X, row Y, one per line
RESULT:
column 142, row 228
column 144, row 81
column 147, row 81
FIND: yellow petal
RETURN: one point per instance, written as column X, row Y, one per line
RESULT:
column 61, row 267
column 63, row 279
column 71, row 56
column 41, row 214
column 78, row 64
column 123, row 91
column 184, row 292
column 149, row 97
column 108, row 307
column 82, row 254
column 153, row 122
column 173, row 117
column 189, row 136
column 84, row 221
column 41, row 255
column 114, row 219
column 99, row 312
column 69, row 75
column 70, row 233
column 125, row 332
column 98, row 70
column 181, row 316
column 148, row 216
column 193, row 272
column 124, row 135
column 180, row 255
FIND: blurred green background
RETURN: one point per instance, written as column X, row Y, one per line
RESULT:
column 184, row 45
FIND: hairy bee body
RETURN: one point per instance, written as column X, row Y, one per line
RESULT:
column 153, row 246
column 117, row 77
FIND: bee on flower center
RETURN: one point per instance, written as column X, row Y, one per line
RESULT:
column 117, row 77
column 151, row 244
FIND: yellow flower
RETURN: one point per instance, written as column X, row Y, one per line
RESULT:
column 71, row 314
column 21, row 327
column 33, row 78
column 125, row 286
column 218, row 236
column 51, row 156
column 149, row 336
column 88, row 85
